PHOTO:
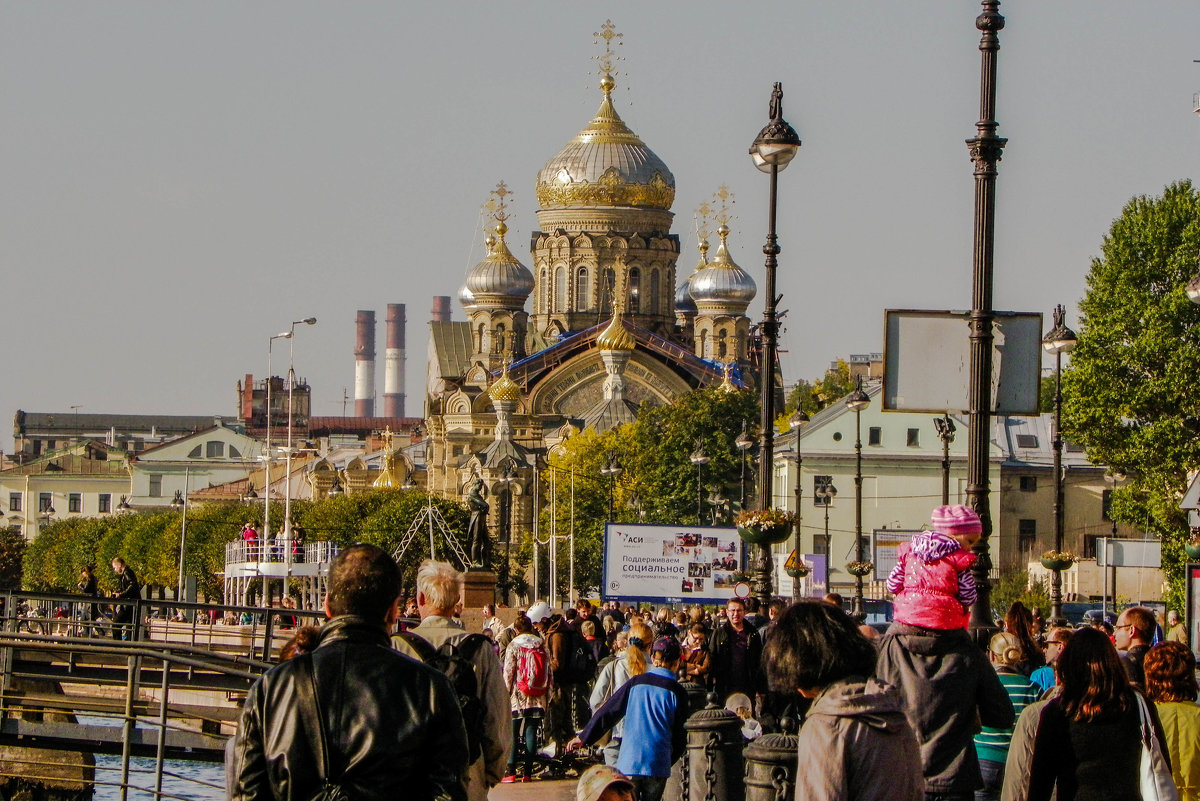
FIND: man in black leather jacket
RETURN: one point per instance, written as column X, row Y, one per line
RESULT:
column 392, row 725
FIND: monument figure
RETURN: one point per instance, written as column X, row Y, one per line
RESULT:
column 477, row 531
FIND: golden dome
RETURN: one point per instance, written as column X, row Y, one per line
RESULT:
column 616, row 336
column 606, row 164
column 505, row 389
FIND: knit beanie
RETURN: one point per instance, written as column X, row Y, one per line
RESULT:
column 954, row 520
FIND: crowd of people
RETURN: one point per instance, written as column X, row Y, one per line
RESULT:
column 921, row 712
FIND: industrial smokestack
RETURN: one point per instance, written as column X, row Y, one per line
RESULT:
column 441, row 309
column 393, row 362
column 364, row 365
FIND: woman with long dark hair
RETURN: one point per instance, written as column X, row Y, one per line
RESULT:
column 856, row 743
column 1019, row 623
column 1088, row 743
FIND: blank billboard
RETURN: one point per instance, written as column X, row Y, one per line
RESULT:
column 927, row 361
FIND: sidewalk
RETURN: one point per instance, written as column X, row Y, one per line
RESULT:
column 559, row 790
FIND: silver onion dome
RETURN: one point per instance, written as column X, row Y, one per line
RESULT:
column 498, row 280
column 722, row 283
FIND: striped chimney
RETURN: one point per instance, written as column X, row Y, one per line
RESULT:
column 393, row 362
column 364, row 364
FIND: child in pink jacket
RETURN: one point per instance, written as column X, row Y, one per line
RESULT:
column 932, row 578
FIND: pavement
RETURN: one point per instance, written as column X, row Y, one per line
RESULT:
column 557, row 790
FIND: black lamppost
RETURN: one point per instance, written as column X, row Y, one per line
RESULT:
column 985, row 148
column 945, row 432
column 773, row 149
column 612, row 468
column 825, row 494
column 856, row 402
column 1058, row 341
column 699, row 458
column 744, row 444
column 797, row 422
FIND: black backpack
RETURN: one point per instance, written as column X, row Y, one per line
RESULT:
column 581, row 665
column 455, row 661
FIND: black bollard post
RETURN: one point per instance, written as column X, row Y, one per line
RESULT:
column 771, row 763
column 712, row 767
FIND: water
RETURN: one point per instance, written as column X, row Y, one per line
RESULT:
column 141, row 774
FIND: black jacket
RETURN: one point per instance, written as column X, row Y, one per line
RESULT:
column 392, row 725
column 127, row 584
column 721, row 669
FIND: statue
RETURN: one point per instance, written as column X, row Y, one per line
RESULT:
column 477, row 533
column 776, row 109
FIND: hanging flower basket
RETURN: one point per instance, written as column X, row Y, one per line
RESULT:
column 799, row 571
column 860, row 569
column 1058, row 560
column 1193, row 551
column 765, row 527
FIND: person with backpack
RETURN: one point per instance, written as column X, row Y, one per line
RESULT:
column 471, row 665
column 632, row 661
column 527, row 676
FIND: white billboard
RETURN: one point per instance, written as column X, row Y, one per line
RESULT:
column 670, row 564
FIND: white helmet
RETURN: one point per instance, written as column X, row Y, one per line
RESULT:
column 538, row 612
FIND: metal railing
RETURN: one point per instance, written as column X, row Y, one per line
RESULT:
column 280, row 550
column 170, row 691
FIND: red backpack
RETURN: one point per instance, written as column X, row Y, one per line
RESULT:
column 533, row 670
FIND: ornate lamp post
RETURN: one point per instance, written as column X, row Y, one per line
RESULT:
column 856, row 402
column 287, row 492
column 1058, row 341
column 797, row 422
column 945, row 431
column 985, row 148
column 699, row 458
column 744, row 444
column 612, row 468
column 772, row 151
column 825, row 495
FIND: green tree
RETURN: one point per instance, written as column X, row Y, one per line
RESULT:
column 1129, row 392
column 12, row 552
column 1014, row 585
column 813, row 397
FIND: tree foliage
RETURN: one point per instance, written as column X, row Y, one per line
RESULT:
column 813, row 397
column 1014, row 585
column 1129, row 391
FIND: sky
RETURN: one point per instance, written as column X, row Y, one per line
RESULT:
column 180, row 181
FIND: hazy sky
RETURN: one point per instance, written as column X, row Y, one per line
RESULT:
column 182, row 180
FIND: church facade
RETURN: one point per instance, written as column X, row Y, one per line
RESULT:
column 595, row 327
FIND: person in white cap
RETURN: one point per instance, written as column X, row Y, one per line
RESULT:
column 604, row 783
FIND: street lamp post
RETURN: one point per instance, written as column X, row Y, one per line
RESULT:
column 856, row 402
column 287, row 494
column 825, row 494
column 772, row 150
column 180, row 503
column 1058, row 341
column 699, row 458
column 797, row 422
column 985, row 149
column 266, row 526
column 612, row 468
column 945, row 431
column 744, row 444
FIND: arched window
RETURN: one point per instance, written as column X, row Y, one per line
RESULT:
column 498, row 339
column 721, row 346
column 560, row 289
column 479, row 339
column 581, row 289
column 635, row 290
column 652, row 303
column 544, row 292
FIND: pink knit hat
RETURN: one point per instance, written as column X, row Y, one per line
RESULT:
column 954, row 520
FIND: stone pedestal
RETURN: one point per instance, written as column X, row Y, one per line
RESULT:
column 479, row 588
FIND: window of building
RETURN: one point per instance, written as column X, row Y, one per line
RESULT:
column 214, row 449
column 652, row 304
column 1027, row 440
column 1028, row 483
column 1090, row 545
column 234, row 453
column 560, row 289
column 874, row 435
column 582, row 282
column 635, row 291
column 194, row 453
column 819, row 544
column 14, row 501
column 1026, row 534
column 45, row 502
column 156, row 486
column 104, row 502
column 914, row 437
column 75, row 503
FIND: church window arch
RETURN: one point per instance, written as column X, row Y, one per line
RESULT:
column 581, row 289
column 652, row 300
column 560, row 289
column 479, row 338
column 544, row 292
column 498, row 340
column 635, row 290
column 722, row 346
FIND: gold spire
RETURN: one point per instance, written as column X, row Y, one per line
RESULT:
column 723, row 216
column 616, row 336
column 702, row 217
column 727, row 380
column 387, row 480
column 498, row 210
column 504, row 389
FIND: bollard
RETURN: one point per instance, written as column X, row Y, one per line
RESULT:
column 712, row 763
column 696, row 694
column 771, row 764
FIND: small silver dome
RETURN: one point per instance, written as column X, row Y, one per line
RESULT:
column 683, row 297
column 722, row 283
column 499, row 279
column 466, row 298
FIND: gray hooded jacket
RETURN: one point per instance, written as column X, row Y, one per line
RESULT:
column 856, row 745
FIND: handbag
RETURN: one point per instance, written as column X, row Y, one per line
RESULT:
column 1154, row 775
column 310, row 716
